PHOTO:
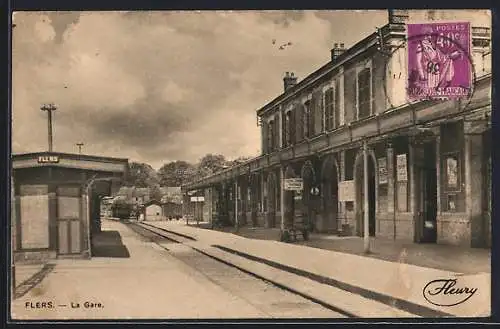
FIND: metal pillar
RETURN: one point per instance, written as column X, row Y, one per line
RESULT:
column 366, row 200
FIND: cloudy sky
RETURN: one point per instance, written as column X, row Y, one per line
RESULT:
column 163, row 86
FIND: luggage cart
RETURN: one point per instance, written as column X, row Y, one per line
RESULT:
column 295, row 228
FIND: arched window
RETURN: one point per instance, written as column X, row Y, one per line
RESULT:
column 329, row 109
column 276, row 141
column 270, row 136
column 288, row 128
column 364, row 94
column 307, row 119
column 299, row 122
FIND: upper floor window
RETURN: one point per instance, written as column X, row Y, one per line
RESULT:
column 333, row 106
column 270, row 136
column 329, row 109
column 364, row 93
column 287, row 129
column 337, row 108
column 317, row 113
column 299, row 124
column 307, row 119
column 276, row 134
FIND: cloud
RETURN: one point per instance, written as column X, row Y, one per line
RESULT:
column 163, row 86
column 61, row 21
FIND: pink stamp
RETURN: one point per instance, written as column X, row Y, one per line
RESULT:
column 439, row 64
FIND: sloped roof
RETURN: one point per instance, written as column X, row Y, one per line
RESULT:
column 141, row 191
column 125, row 190
column 170, row 190
column 172, row 199
column 152, row 202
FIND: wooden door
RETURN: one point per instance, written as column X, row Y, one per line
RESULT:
column 69, row 221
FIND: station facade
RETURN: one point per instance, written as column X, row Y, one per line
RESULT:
column 429, row 163
column 56, row 202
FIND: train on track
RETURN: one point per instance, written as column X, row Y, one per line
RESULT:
column 122, row 210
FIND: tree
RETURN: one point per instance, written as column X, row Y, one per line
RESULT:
column 155, row 193
column 238, row 160
column 141, row 175
column 175, row 173
column 212, row 163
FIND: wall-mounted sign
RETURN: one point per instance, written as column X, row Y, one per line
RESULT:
column 197, row 199
column 382, row 171
column 346, row 190
column 48, row 159
column 402, row 172
column 293, row 184
column 452, row 171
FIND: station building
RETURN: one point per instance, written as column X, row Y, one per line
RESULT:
column 429, row 163
column 56, row 202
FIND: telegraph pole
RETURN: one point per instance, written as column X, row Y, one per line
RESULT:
column 49, row 108
column 79, row 147
column 366, row 200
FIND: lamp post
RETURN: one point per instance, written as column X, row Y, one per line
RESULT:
column 80, row 147
column 49, row 108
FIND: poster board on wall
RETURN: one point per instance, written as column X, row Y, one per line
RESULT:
column 346, row 190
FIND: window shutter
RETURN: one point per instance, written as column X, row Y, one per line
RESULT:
column 270, row 136
column 299, row 123
column 265, row 132
column 312, row 115
column 284, row 132
column 329, row 108
column 293, row 127
column 336, row 114
column 277, row 133
column 323, row 114
column 319, row 113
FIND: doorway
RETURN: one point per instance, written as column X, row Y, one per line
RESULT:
column 330, row 194
column 271, row 200
column 69, row 222
column 427, row 211
column 308, row 213
column 371, row 197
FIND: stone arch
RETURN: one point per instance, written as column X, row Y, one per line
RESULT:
column 358, row 173
column 308, row 180
column 289, row 202
column 308, row 170
column 271, row 190
column 328, row 162
column 254, row 187
column 330, row 177
column 290, row 172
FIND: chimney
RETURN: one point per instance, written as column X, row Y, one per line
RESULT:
column 289, row 80
column 337, row 50
column 398, row 16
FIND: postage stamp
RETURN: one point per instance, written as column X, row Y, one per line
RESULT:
column 438, row 60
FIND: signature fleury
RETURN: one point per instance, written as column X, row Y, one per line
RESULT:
column 442, row 292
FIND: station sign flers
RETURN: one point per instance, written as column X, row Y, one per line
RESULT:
column 48, row 159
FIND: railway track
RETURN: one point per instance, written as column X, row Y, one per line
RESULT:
column 271, row 298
